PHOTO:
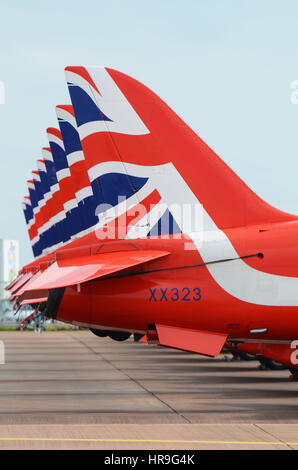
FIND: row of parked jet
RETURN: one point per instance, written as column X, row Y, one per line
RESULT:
column 138, row 227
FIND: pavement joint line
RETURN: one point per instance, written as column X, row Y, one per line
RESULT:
column 272, row 435
column 165, row 441
column 134, row 380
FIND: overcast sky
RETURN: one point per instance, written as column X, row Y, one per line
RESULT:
column 225, row 67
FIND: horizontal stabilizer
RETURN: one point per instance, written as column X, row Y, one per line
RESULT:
column 23, row 280
column 68, row 272
column 20, row 291
column 207, row 343
column 12, row 283
column 37, row 300
column 33, row 297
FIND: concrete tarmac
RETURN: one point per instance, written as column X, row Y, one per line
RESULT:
column 73, row 390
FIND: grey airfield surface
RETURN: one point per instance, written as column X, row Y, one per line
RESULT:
column 73, row 390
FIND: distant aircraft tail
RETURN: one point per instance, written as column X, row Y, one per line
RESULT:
column 73, row 213
column 33, row 225
column 55, row 207
column 29, row 218
column 78, row 169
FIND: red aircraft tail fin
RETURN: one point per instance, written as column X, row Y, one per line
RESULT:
column 125, row 128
